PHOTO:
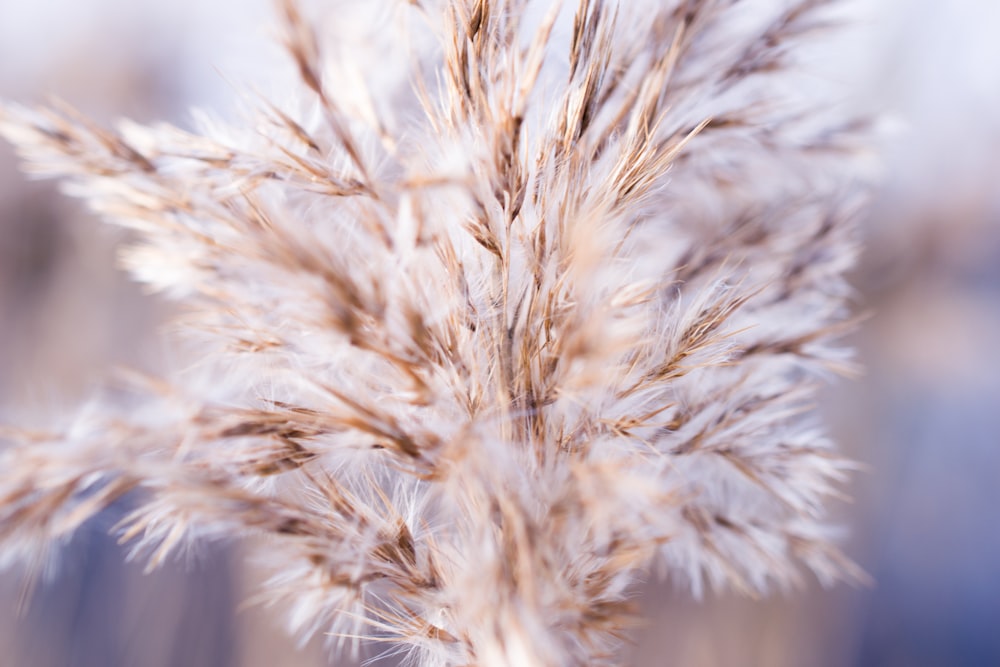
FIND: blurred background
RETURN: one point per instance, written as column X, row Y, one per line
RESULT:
column 925, row 418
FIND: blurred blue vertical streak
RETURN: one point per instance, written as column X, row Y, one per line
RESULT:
column 99, row 612
column 937, row 600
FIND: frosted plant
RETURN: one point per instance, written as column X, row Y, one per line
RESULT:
column 513, row 305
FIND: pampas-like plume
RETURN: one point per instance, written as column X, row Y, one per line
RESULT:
column 517, row 303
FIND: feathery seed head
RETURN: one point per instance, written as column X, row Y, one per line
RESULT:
column 518, row 301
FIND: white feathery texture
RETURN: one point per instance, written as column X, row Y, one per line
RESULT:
column 516, row 303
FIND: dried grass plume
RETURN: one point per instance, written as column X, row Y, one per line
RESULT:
column 514, row 303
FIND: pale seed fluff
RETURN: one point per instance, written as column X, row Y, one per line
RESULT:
column 516, row 304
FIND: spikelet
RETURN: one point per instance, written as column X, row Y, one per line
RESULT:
column 515, row 303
